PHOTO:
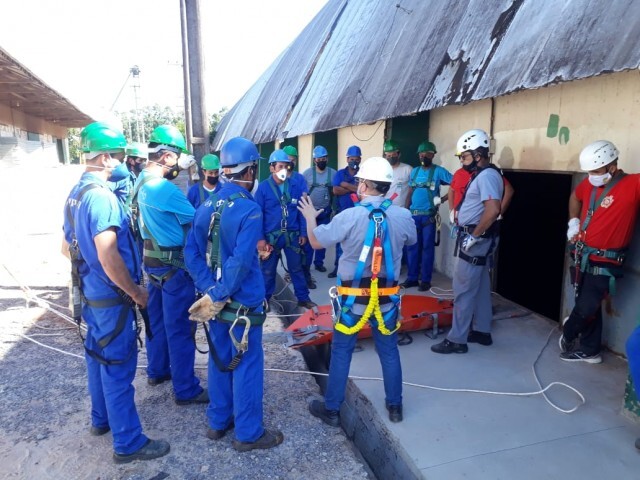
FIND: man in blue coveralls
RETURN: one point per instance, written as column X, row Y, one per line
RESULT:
column 224, row 263
column 198, row 193
column 164, row 218
column 375, row 223
column 423, row 200
column 101, row 246
column 344, row 185
column 283, row 227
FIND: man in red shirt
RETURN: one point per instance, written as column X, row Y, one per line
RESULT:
column 603, row 210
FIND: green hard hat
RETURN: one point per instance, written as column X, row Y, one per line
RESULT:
column 86, row 130
column 137, row 149
column 390, row 146
column 427, row 147
column 291, row 150
column 104, row 139
column 169, row 135
column 210, row 162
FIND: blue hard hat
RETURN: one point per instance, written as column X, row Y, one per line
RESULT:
column 320, row 151
column 354, row 151
column 279, row 156
column 238, row 150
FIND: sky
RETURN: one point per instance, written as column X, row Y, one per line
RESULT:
column 85, row 49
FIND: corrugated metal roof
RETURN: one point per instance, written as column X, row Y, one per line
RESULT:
column 360, row 61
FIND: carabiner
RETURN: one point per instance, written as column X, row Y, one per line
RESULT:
column 242, row 345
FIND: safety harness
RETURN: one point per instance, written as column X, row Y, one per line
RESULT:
column 289, row 235
column 77, row 298
column 431, row 212
column 378, row 243
column 493, row 232
column 204, row 194
column 328, row 185
column 581, row 252
column 233, row 312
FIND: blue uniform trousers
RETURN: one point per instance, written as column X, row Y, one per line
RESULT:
column 172, row 349
column 633, row 356
column 420, row 255
column 323, row 219
column 237, row 395
column 294, row 266
column 110, row 386
column 341, row 352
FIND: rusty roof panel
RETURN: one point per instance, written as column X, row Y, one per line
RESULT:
column 362, row 61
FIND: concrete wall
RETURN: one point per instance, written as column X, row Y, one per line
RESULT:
column 14, row 117
column 545, row 130
column 370, row 139
column 305, row 151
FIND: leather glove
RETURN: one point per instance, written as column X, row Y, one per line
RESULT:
column 186, row 161
column 452, row 217
column 574, row 228
column 469, row 241
column 205, row 309
column 437, row 201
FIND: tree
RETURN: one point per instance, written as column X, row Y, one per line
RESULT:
column 148, row 119
column 214, row 121
column 73, row 136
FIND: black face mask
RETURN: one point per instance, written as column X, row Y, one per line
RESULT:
column 393, row 160
column 354, row 165
column 321, row 165
column 137, row 168
column 212, row 180
column 472, row 167
column 172, row 173
column 425, row 162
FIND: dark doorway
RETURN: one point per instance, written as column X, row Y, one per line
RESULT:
column 533, row 240
column 265, row 149
column 328, row 140
column 409, row 132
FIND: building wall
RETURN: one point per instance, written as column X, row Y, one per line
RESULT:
column 305, row 152
column 545, row 130
column 370, row 139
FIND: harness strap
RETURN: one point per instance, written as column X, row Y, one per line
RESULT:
column 595, row 204
column 366, row 292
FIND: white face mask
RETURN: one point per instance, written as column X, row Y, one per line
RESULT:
column 282, row 174
column 599, row 180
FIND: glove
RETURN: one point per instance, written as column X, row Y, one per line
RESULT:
column 469, row 241
column 186, row 161
column 574, row 228
column 205, row 309
column 452, row 217
column 437, row 201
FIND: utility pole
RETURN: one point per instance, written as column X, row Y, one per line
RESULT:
column 135, row 73
column 194, row 98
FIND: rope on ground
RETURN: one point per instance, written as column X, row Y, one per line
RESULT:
column 441, row 292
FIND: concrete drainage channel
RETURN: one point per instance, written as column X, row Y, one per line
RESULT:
column 360, row 421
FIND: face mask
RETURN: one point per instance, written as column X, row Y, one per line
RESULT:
column 172, row 173
column 599, row 180
column 354, row 165
column 119, row 173
column 282, row 174
column 212, row 180
column 472, row 167
column 425, row 162
column 321, row 165
column 393, row 160
column 137, row 168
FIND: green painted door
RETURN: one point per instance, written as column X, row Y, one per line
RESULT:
column 265, row 150
column 409, row 132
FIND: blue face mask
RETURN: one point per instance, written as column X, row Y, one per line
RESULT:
column 119, row 173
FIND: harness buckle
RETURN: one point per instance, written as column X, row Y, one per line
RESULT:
column 283, row 225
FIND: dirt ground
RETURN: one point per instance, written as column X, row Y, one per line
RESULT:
column 44, row 404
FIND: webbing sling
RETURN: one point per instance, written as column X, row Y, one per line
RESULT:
column 583, row 251
column 284, row 199
column 377, row 242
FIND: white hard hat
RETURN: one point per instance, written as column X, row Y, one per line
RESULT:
column 376, row 169
column 597, row 155
column 471, row 140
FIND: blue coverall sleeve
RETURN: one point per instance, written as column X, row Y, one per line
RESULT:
column 259, row 198
column 180, row 206
column 238, row 266
column 444, row 176
column 195, row 250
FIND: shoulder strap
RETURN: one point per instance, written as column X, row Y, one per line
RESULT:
column 474, row 175
column 78, row 199
column 214, row 260
column 594, row 204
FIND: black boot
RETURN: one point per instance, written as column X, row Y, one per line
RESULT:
column 319, row 410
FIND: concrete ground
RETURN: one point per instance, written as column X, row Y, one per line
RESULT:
column 447, row 435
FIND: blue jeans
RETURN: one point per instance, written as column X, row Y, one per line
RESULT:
column 237, row 394
column 633, row 355
column 172, row 350
column 110, row 386
column 341, row 351
column 420, row 255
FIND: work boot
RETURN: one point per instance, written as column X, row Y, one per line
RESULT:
column 395, row 413
column 333, row 273
column 99, row 431
column 311, row 283
column 202, row 397
column 213, row 434
column 152, row 449
column 449, row 347
column 158, row 380
column 409, row 283
column 308, row 304
column 269, row 439
column 479, row 337
column 321, row 268
column 424, row 286
column 319, row 410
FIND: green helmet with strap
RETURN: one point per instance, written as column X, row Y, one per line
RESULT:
column 390, row 146
column 104, row 139
column 137, row 149
column 87, row 130
column 170, row 136
column 291, row 150
column 425, row 147
column 210, row 162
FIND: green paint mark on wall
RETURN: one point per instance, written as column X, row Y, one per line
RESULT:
column 563, row 136
column 553, row 125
